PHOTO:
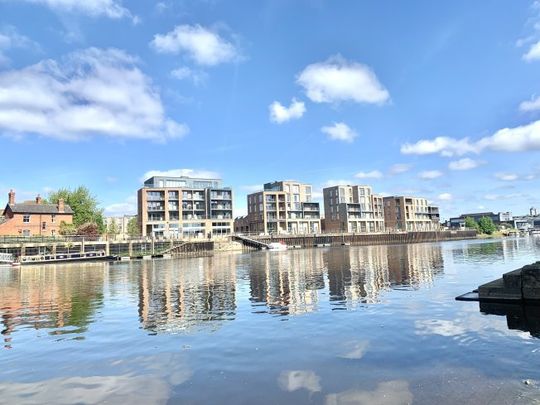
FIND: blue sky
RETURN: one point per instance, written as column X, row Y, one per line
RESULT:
column 436, row 100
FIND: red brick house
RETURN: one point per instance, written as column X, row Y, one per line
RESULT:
column 33, row 218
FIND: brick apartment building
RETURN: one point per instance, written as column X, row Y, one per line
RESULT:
column 34, row 218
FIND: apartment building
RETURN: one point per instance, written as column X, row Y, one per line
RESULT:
column 121, row 223
column 403, row 213
column 352, row 208
column 283, row 207
column 184, row 207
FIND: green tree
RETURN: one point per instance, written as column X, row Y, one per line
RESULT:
column 133, row 227
column 486, row 225
column 67, row 229
column 84, row 206
column 470, row 223
column 113, row 229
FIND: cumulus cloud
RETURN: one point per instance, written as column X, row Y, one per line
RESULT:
column 399, row 168
column 430, row 174
column 337, row 79
column 186, row 73
column 445, row 197
column 517, row 139
column 374, row 174
column 10, row 39
column 280, row 114
column 463, row 164
column 205, row 174
column 530, row 105
column 533, row 53
column 506, row 176
column 127, row 207
column 340, row 132
column 202, row 45
column 90, row 92
column 93, row 8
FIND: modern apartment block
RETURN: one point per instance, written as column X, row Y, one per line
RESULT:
column 350, row 208
column 283, row 207
column 184, row 207
column 403, row 213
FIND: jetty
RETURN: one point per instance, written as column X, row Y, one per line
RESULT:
column 517, row 286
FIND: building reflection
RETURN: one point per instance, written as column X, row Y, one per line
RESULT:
column 292, row 282
column 518, row 317
column 180, row 296
column 55, row 297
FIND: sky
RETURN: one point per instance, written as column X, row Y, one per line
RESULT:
column 433, row 99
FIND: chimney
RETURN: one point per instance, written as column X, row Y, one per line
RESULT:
column 61, row 205
column 38, row 199
column 11, row 197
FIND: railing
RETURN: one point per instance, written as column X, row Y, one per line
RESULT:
column 6, row 258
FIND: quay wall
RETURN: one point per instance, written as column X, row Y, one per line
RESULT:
column 367, row 239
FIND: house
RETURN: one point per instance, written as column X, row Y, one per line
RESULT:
column 34, row 218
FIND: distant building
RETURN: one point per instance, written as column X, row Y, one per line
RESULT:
column 403, row 213
column 282, row 207
column 352, row 209
column 184, row 207
column 497, row 218
column 34, row 218
column 121, row 225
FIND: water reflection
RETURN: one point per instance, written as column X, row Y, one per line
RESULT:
column 292, row 282
column 53, row 297
column 174, row 297
column 518, row 317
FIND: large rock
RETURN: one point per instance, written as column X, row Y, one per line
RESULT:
column 530, row 281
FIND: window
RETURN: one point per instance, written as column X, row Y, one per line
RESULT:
column 44, row 225
column 53, row 218
column 26, row 219
column 26, row 232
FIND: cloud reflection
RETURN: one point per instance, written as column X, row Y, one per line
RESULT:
column 387, row 393
column 299, row 379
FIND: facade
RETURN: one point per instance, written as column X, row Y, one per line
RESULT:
column 121, row 224
column 403, row 213
column 34, row 218
column 352, row 209
column 184, row 207
column 282, row 207
column 497, row 218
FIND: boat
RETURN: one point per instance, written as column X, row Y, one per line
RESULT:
column 64, row 257
column 277, row 246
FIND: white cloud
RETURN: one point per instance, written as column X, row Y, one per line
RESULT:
column 202, row 45
column 340, row 132
column 128, row 207
column 93, row 8
column 463, row 164
column 10, row 39
column 533, row 53
column 445, row 197
column 280, row 114
column 90, row 92
column 399, row 168
column 374, row 174
column 506, row 176
column 430, row 174
column 299, row 379
column 517, row 139
column 186, row 73
column 530, row 105
column 205, row 174
column 441, row 144
column 337, row 80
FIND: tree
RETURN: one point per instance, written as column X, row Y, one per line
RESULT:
column 89, row 230
column 84, row 206
column 113, row 229
column 470, row 223
column 133, row 227
column 486, row 225
column 67, row 229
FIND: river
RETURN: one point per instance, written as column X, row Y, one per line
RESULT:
column 336, row 325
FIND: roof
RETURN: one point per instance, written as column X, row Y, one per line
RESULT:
column 33, row 208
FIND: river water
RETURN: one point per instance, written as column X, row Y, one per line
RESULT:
column 340, row 325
